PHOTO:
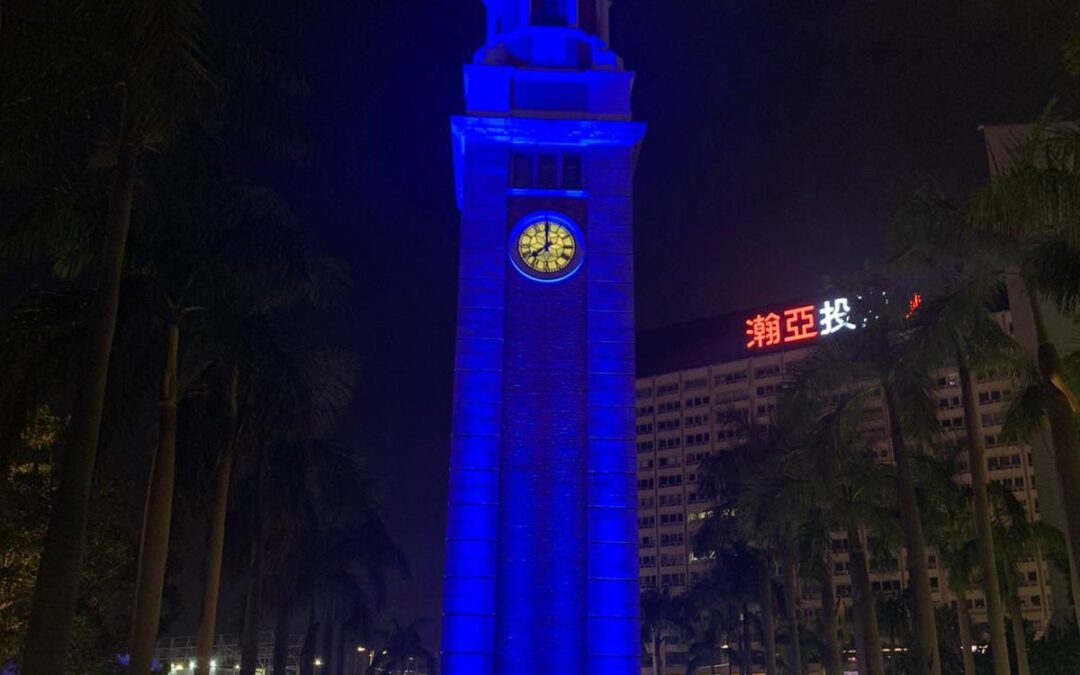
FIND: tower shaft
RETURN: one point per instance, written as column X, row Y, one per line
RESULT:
column 541, row 554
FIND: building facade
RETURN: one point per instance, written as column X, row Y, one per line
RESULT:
column 693, row 376
column 541, row 554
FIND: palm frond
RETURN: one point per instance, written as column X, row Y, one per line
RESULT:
column 168, row 34
column 1026, row 415
column 1055, row 265
column 1071, row 54
column 1038, row 196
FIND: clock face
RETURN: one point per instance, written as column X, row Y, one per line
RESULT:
column 546, row 249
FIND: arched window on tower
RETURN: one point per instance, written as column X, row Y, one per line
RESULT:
column 552, row 12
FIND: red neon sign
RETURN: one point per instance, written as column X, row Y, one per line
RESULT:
column 763, row 331
column 806, row 322
column 798, row 324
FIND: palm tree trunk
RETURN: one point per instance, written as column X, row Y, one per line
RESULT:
column 307, row 648
column 768, row 617
column 52, row 611
column 348, row 656
column 281, row 637
column 10, row 429
column 1063, row 433
column 832, row 657
column 791, row 590
column 326, row 651
column 1023, row 667
column 249, row 638
column 657, row 644
column 337, row 649
column 746, row 660
column 157, row 516
column 871, row 661
column 893, row 644
column 927, row 656
column 995, row 612
column 216, row 547
column 858, row 638
column 963, row 620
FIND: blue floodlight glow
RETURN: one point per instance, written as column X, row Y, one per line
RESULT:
column 541, row 568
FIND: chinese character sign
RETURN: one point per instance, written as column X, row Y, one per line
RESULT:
column 798, row 324
column 763, row 331
column 834, row 316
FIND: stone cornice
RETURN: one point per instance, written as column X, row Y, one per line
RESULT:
column 532, row 131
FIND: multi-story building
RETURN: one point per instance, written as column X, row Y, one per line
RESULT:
column 691, row 377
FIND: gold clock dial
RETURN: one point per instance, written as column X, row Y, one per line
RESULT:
column 546, row 247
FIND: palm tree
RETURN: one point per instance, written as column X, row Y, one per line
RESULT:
column 709, row 630
column 240, row 329
column 276, row 388
column 327, row 541
column 146, row 81
column 878, row 360
column 957, row 273
column 963, row 621
column 868, row 634
column 119, row 79
column 950, row 525
column 789, row 562
column 661, row 621
column 848, row 489
column 771, row 508
column 724, row 595
column 818, row 558
column 729, row 534
column 1019, row 538
column 1035, row 205
column 767, row 604
column 217, row 253
column 249, row 635
column 223, row 468
column 402, row 648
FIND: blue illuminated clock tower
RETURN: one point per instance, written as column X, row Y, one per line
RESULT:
column 541, row 549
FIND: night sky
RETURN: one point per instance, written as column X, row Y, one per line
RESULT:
column 780, row 131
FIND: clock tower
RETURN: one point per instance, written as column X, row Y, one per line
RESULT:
column 541, row 547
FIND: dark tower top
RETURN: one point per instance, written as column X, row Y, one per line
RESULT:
column 506, row 16
column 548, row 58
